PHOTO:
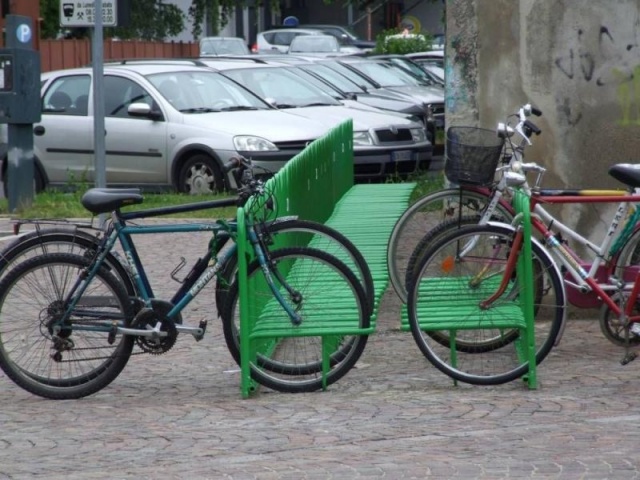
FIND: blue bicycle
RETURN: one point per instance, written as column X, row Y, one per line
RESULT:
column 68, row 324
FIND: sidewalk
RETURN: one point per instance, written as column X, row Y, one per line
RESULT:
column 181, row 415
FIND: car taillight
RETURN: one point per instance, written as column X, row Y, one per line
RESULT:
column 254, row 48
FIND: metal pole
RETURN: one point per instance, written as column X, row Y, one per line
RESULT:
column 97, row 56
column 98, row 96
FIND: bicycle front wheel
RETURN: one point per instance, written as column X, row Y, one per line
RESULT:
column 297, row 232
column 326, row 295
column 427, row 213
column 453, row 278
column 53, row 356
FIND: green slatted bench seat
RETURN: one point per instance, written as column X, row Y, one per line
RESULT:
column 366, row 215
column 352, row 216
column 448, row 305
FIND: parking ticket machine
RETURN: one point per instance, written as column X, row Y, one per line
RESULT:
column 19, row 108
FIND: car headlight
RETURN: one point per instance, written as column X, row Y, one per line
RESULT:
column 418, row 134
column 249, row 143
column 362, row 138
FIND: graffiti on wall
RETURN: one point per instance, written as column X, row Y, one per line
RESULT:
column 612, row 63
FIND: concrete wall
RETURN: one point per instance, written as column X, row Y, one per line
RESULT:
column 577, row 60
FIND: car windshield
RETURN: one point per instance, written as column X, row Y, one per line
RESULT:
column 204, row 91
column 414, row 69
column 333, row 77
column 223, row 46
column 320, row 84
column 281, row 87
column 385, row 74
column 359, row 80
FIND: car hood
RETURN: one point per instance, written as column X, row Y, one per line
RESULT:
column 274, row 125
column 362, row 119
column 425, row 93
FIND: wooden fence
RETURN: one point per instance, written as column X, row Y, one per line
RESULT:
column 61, row 54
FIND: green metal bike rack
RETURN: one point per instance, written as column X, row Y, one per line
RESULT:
column 525, row 271
column 318, row 185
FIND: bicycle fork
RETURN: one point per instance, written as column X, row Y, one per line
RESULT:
column 509, row 270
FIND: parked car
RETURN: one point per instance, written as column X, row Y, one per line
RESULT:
column 279, row 39
column 316, row 45
column 223, row 46
column 167, row 125
column 432, row 61
column 345, row 35
column 439, row 40
column 412, row 67
column 384, row 145
column 351, row 94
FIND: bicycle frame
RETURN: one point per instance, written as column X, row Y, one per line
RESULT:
column 585, row 279
column 122, row 233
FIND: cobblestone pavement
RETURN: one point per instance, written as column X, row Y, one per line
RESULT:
column 181, row 415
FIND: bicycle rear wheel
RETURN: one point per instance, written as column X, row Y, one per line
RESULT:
column 453, row 277
column 75, row 361
column 424, row 215
column 330, row 296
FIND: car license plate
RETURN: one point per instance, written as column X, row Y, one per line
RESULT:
column 401, row 156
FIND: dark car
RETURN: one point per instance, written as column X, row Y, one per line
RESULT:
column 349, row 91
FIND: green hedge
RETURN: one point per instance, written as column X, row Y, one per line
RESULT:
column 401, row 46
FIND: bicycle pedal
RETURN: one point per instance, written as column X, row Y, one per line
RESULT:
column 203, row 327
column 628, row 358
column 111, row 338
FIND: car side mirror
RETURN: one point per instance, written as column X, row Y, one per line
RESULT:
column 142, row 110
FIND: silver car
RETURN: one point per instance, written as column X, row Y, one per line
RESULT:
column 384, row 145
column 170, row 124
column 278, row 40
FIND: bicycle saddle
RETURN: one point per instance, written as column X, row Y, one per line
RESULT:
column 627, row 173
column 103, row 200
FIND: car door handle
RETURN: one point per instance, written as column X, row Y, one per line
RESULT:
column 38, row 130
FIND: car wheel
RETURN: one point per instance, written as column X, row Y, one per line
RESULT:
column 200, row 175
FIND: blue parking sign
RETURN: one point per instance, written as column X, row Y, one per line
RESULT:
column 23, row 33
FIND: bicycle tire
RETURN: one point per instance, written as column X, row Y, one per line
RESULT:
column 425, row 214
column 61, row 240
column 319, row 236
column 442, row 275
column 80, row 367
column 303, row 372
